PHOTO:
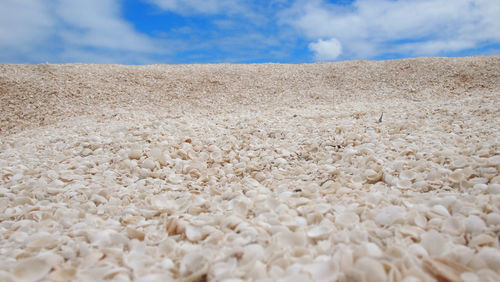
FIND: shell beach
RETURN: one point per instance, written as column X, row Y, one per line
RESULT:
column 349, row 171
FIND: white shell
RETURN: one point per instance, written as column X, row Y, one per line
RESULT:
column 390, row 215
column 252, row 253
column 193, row 233
column 372, row 250
column 148, row 163
column 408, row 175
column 456, row 176
column 494, row 161
column 42, row 240
column 420, row 220
column 134, row 233
column 447, row 269
column 440, row 210
column 297, row 238
column 493, row 219
column 411, row 279
column 174, row 179
column 469, row 277
column 434, row 242
column 454, row 225
column 135, row 154
column 494, row 188
column 474, row 224
column 193, row 265
column 347, row 218
column 372, row 176
column 63, row 274
column 491, row 256
column 31, row 269
column 459, row 162
column 319, row 232
column 482, row 240
column 418, row 250
column 372, row 269
column 167, row 263
column 322, row 270
column 258, row 272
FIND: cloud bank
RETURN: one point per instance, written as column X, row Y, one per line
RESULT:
column 69, row 30
column 372, row 28
column 187, row 31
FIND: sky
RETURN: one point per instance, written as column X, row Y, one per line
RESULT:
column 238, row 31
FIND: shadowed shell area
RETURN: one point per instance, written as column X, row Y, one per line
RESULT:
column 262, row 172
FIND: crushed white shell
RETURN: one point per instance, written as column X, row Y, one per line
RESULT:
column 251, row 172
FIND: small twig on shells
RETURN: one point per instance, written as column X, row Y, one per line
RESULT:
column 380, row 119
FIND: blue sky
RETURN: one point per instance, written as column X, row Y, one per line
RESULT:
column 237, row 31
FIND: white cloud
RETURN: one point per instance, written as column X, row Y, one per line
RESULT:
column 96, row 23
column 189, row 7
column 24, row 22
column 367, row 28
column 326, row 50
column 435, row 47
column 31, row 30
column 241, row 11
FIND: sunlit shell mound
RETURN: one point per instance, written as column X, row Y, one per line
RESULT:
column 262, row 172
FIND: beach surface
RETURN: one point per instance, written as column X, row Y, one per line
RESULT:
column 349, row 171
